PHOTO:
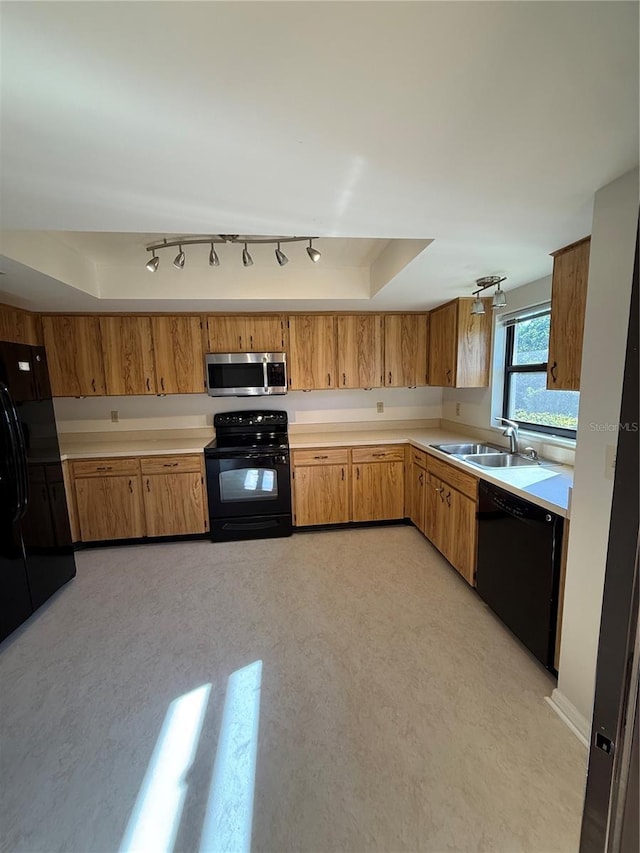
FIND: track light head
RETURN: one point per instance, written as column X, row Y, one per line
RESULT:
column 178, row 261
column 499, row 299
column 152, row 264
column 214, row 260
column 477, row 306
column 314, row 254
column 281, row 258
column 247, row 260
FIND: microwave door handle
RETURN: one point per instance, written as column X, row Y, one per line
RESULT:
column 265, row 375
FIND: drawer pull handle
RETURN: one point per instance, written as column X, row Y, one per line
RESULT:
column 104, row 468
column 320, row 457
column 378, row 454
column 169, row 464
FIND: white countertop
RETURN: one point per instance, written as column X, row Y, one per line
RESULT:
column 545, row 485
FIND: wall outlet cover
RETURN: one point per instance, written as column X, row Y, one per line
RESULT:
column 115, row 417
column 380, row 408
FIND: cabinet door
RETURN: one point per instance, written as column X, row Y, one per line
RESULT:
column 405, row 349
column 434, row 511
column 312, row 348
column 442, row 346
column 127, row 348
column 359, row 351
column 265, row 333
column 109, row 508
column 321, row 494
column 17, row 326
column 378, row 491
column 178, row 354
column 173, row 503
column 227, row 333
column 74, row 356
column 473, row 351
column 568, row 303
column 418, row 492
column 460, row 534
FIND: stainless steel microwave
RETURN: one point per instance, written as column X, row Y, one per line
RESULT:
column 246, row 374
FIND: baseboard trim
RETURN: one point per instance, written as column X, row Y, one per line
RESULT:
column 570, row 716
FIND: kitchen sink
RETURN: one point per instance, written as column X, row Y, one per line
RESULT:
column 467, row 449
column 500, row 460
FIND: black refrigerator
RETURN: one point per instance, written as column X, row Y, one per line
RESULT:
column 36, row 552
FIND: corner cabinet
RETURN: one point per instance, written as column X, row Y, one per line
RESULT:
column 74, row 355
column 312, row 352
column 406, row 345
column 417, row 476
column 450, row 515
column 568, row 305
column 460, row 345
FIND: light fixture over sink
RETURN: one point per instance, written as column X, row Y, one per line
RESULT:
column 499, row 299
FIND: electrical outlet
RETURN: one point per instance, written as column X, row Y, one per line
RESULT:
column 380, row 408
column 457, row 410
column 115, row 417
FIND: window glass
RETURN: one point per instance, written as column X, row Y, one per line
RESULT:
column 530, row 402
column 531, row 344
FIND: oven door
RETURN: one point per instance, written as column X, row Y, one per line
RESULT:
column 248, row 484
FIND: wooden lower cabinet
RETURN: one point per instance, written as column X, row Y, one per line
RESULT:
column 109, row 507
column 321, row 494
column 378, row 491
column 130, row 498
column 450, row 523
column 173, row 504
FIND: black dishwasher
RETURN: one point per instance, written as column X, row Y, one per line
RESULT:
column 519, row 547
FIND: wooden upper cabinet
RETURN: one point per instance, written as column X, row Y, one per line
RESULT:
column 74, row 355
column 406, row 339
column 239, row 333
column 460, row 345
column 568, row 304
column 359, row 350
column 312, row 352
column 18, row 326
column 179, row 354
column 442, row 345
column 127, row 348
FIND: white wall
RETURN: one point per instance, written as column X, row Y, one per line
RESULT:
column 183, row 411
column 610, row 271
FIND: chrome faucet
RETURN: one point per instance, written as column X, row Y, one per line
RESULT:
column 511, row 432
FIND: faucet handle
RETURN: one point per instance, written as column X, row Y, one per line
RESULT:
column 532, row 453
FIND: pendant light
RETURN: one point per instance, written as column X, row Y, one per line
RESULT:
column 214, row 260
column 499, row 298
column 152, row 264
column 477, row 306
column 314, row 254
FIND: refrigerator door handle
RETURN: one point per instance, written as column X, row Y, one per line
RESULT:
column 13, row 461
column 19, row 449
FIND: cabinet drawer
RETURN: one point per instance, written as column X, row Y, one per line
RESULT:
column 419, row 457
column 105, row 467
column 465, row 483
column 171, row 464
column 321, row 456
column 382, row 453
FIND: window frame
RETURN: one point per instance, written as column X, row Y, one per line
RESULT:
column 541, row 367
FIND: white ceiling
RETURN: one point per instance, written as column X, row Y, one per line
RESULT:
column 485, row 127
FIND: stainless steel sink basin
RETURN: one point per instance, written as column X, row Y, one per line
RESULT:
column 467, row 449
column 501, row 460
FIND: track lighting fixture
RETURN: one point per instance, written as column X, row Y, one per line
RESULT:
column 314, row 254
column 214, row 260
column 499, row 299
column 152, row 265
column 281, row 258
column 247, row 260
column 178, row 261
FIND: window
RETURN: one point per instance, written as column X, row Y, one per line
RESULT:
column 526, row 398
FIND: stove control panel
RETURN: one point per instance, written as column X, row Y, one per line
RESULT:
column 251, row 419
